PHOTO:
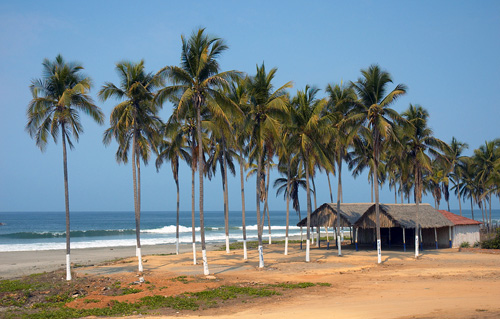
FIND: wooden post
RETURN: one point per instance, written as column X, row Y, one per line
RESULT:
column 421, row 240
column 436, row 237
column 356, row 240
column 404, row 240
column 374, row 239
column 327, row 238
column 449, row 237
column 318, row 230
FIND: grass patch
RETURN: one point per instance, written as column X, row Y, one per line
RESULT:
column 14, row 285
column 129, row 291
column 295, row 285
column 182, row 279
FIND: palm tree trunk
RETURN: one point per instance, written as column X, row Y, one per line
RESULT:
column 308, row 239
column 471, row 208
column 266, row 204
column 314, row 194
column 193, row 222
column 258, row 196
column 372, row 187
column 459, row 200
column 243, row 223
column 201, row 171
column 226, row 199
column 66, row 204
column 329, row 186
column 418, row 191
column 288, row 205
column 375, row 184
column 489, row 200
column 339, row 165
column 177, row 219
column 136, row 203
column 482, row 213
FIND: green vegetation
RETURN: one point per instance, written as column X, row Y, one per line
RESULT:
column 46, row 296
column 492, row 243
column 465, row 244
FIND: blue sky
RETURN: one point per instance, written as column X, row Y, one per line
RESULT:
column 446, row 52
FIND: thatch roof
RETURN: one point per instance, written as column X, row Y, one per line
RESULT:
column 403, row 215
column 326, row 215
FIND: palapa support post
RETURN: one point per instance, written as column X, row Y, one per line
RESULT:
column 421, row 240
column 449, row 237
column 374, row 239
column 356, row 240
column 436, row 237
column 327, row 239
column 404, row 240
column 351, row 233
column 318, row 229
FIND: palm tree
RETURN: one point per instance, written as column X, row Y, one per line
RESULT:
column 197, row 80
column 133, row 124
column 57, row 98
column 420, row 143
column 267, row 111
column 340, row 103
column 374, row 110
column 453, row 171
column 485, row 158
column 290, row 187
column 308, row 132
column 172, row 148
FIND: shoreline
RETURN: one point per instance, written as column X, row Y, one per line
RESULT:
column 15, row 264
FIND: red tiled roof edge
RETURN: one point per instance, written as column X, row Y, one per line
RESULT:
column 459, row 220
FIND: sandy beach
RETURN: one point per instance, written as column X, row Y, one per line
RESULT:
column 442, row 283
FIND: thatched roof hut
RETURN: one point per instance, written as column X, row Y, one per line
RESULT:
column 326, row 215
column 403, row 215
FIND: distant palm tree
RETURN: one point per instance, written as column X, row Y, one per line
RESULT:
column 308, row 131
column 198, row 80
column 421, row 145
column 172, row 148
column 374, row 110
column 134, row 125
column 340, row 105
column 454, row 170
column 57, row 98
column 267, row 111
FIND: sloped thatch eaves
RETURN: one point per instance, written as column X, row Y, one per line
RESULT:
column 403, row 215
column 326, row 215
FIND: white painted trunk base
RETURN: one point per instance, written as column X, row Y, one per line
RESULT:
column 194, row 253
column 286, row 246
column 68, row 267
column 227, row 245
column 416, row 246
column 139, row 256
column 136, row 251
column 177, row 247
column 339, row 246
column 245, row 254
column 308, row 247
column 261, row 257
column 270, row 240
column 205, row 262
column 379, row 251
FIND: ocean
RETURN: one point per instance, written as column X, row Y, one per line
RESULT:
column 27, row 231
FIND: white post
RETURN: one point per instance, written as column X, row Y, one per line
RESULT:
column 139, row 256
column 436, row 237
column 261, row 257
column 286, row 246
column 245, row 255
column 404, row 239
column 308, row 246
column 194, row 254
column 416, row 244
column 177, row 247
column 205, row 262
column 68, row 267
column 379, row 251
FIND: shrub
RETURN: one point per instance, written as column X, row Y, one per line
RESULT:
column 465, row 244
column 492, row 243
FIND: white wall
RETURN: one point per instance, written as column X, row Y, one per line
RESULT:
column 465, row 233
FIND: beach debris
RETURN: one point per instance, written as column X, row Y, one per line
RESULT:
column 210, row 277
column 78, row 293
